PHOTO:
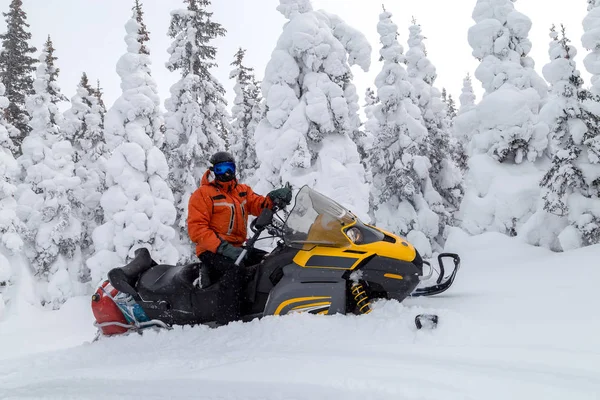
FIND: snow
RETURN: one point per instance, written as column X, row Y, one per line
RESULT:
column 503, row 333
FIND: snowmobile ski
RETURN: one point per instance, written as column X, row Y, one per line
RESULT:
column 442, row 284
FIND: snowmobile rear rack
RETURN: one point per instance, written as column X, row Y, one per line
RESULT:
column 441, row 284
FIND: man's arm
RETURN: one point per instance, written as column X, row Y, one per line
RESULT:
column 199, row 215
column 256, row 203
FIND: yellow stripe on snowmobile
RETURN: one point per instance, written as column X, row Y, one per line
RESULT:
column 323, row 303
column 298, row 300
column 393, row 276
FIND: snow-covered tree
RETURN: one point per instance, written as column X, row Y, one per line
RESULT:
column 591, row 41
column 83, row 127
column 11, row 227
column 370, row 101
column 508, row 140
column 312, row 107
column 467, row 96
column 138, row 204
column 246, row 103
column 402, row 188
column 445, row 176
column 196, row 114
column 139, row 96
column 370, row 125
column 465, row 123
column 16, row 67
column 569, row 215
column 143, row 34
column 53, row 232
column 451, row 105
column 508, row 128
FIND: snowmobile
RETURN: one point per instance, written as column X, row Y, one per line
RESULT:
column 327, row 261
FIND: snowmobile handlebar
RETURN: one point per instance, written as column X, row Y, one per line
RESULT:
column 258, row 226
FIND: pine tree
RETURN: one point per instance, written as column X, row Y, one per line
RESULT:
column 591, row 41
column 467, row 97
column 83, row 127
column 312, row 107
column 451, row 109
column 54, row 234
column 571, row 187
column 143, row 34
column 16, row 67
column 401, row 182
column 465, row 122
column 11, row 227
column 445, row 176
column 138, row 204
column 500, row 41
column 370, row 126
column 246, row 102
column 196, row 117
column 98, row 93
column 115, row 122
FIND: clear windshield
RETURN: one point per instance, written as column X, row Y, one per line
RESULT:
column 317, row 220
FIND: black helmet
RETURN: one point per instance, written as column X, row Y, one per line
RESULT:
column 221, row 156
column 223, row 166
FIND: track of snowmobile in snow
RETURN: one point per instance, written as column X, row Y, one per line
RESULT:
column 520, row 323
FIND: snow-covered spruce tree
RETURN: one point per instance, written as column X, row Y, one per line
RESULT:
column 138, row 204
column 312, row 107
column 437, row 150
column 196, row 112
column 507, row 137
column 247, row 101
column 133, row 105
column 451, row 105
column 508, row 128
column 467, row 96
column 401, row 182
column 11, row 227
column 464, row 124
column 591, row 41
column 53, row 236
column 83, row 127
column 16, row 67
column 143, row 34
column 370, row 125
column 569, row 215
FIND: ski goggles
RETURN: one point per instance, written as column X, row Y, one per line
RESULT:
column 224, row 168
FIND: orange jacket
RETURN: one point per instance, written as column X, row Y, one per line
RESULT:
column 219, row 211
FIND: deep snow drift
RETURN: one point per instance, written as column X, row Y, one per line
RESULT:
column 520, row 323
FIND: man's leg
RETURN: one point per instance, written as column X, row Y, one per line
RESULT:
column 230, row 278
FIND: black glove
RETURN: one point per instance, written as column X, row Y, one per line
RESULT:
column 283, row 195
column 228, row 250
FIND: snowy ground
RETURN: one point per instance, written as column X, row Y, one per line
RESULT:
column 520, row 323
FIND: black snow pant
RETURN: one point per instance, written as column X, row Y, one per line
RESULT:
column 232, row 281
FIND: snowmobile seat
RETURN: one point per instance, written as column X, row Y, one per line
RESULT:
column 124, row 278
column 168, row 279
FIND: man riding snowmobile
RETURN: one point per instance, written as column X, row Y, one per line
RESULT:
column 326, row 261
column 217, row 219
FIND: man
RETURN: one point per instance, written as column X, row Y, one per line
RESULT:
column 217, row 220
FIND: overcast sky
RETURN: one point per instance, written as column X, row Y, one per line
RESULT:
column 88, row 35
